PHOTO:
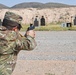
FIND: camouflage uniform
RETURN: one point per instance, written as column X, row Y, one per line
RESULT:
column 11, row 43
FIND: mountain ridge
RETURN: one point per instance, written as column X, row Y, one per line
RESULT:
column 3, row 6
column 40, row 5
column 37, row 5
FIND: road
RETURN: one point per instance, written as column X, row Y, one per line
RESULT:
column 55, row 54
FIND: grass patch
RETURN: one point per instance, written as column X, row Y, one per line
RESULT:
column 51, row 28
column 49, row 74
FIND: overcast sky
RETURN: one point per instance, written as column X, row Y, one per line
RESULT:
column 14, row 2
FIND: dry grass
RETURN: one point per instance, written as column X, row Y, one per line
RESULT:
column 51, row 28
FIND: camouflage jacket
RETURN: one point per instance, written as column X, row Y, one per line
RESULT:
column 11, row 43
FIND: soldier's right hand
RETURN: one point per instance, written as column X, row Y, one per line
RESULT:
column 31, row 33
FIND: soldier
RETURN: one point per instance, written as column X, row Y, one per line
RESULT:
column 11, row 42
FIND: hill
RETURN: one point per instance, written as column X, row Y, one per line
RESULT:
column 3, row 6
column 40, row 5
column 52, row 12
column 28, row 5
column 57, row 5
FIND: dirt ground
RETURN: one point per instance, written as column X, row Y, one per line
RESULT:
column 55, row 54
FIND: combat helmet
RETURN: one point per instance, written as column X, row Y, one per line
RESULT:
column 12, row 20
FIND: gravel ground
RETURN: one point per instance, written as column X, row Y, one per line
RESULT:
column 55, row 54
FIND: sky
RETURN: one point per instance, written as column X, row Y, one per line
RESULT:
column 11, row 3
